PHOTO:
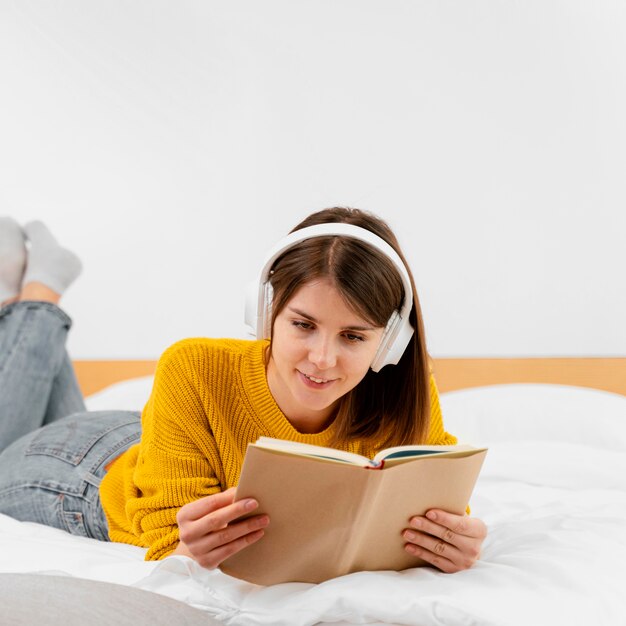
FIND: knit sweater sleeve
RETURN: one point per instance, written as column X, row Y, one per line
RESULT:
column 174, row 465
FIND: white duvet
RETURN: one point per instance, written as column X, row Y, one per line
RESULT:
column 552, row 491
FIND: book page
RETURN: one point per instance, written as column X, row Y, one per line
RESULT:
column 400, row 453
column 310, row 450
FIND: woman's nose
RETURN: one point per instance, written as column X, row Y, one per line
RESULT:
column 322, row 353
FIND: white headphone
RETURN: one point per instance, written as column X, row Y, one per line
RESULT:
column 398, row 331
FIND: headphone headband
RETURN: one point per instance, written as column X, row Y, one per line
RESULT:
column 398, row 331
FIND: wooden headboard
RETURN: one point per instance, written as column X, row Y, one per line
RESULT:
column 608, row 374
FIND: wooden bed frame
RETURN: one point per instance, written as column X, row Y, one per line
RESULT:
column 608, row 374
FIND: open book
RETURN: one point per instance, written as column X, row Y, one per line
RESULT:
column 331, row 515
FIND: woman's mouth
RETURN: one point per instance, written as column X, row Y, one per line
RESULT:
column 314, row 381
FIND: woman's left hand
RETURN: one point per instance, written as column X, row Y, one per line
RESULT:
column 447, row 541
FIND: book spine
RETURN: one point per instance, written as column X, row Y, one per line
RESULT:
column 366, row 510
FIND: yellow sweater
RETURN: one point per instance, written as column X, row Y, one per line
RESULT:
column 209, row 400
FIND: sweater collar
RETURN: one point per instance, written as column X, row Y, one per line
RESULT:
column 267, row 413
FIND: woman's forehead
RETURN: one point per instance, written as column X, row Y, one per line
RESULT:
column 320, row 299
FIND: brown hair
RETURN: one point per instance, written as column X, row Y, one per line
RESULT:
column 392, row 406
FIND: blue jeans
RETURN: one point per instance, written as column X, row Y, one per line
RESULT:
column 52, row 452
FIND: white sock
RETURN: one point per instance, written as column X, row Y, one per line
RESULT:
column 48, row 262
column 12, row 258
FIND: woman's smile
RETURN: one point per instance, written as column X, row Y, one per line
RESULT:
column 315, row 382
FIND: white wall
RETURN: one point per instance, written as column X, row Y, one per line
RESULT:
column 170, row 143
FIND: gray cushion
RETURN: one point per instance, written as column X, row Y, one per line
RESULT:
column 27, row 599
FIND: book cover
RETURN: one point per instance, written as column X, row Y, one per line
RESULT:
column 333, row 517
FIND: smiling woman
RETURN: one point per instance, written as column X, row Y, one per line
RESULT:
column 340, row 359
column 321, row 351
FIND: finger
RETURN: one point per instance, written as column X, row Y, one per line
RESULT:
column 436, row 560
column 431, row 545
column 236, row 530
column 221, row 504
column 463, row 542
column 215, row 521
column 203, row 506
column 459, row 524
column 215, row 557
column 232, row 532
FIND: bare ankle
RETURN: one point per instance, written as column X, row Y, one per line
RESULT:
column 40, row 292
column 9, row 301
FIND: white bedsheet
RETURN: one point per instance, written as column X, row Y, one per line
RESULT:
column 555, row 554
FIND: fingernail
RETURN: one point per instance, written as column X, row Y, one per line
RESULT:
column 431, row 515
column 410, row 535
column 416, row 522
column 249, row 505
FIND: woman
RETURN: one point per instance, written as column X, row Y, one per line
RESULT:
column 335, row 306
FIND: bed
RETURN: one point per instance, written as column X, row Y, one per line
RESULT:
column 552, row 491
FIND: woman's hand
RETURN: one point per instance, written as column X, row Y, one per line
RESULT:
column 209, row 531
column 449, row 542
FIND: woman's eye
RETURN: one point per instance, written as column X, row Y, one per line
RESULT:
column 354, row 338
column 302, row 325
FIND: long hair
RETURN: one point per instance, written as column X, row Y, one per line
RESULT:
column 392, row 406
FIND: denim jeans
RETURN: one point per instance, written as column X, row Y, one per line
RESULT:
column 53, row 453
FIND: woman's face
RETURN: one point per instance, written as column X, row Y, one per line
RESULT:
column 321, row 349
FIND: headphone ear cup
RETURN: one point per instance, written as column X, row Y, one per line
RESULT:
column 395, row 339
column 400, row 343
column 259, row 319
column 381, row 354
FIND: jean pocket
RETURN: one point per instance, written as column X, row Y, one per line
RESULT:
column 71, row 521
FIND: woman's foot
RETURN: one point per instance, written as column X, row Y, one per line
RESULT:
column 49, row 266
column 12, row 259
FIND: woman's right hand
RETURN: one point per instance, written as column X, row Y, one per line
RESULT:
column 209, row 531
